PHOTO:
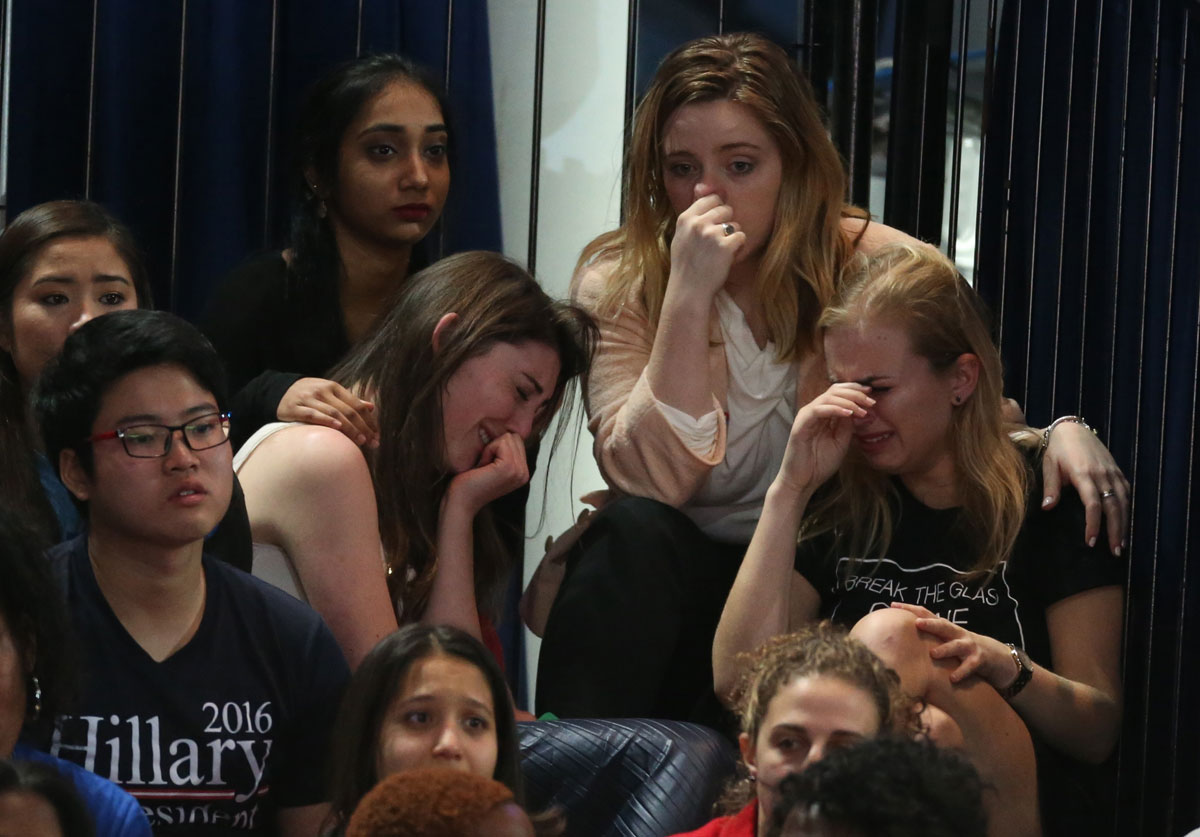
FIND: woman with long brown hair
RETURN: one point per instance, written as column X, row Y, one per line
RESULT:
column 735, row 237
column 469, row 365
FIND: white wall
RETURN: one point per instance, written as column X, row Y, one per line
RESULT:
column 583, row 105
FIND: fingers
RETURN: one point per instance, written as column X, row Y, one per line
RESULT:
column 1051, row 483
column 1116, row 509
column 329, row 404
column 916, row 610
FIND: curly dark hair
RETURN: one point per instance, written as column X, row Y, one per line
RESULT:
column 885, row 787
column 821, row 649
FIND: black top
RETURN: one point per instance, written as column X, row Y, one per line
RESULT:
column 1049, row 562
column 224, row 732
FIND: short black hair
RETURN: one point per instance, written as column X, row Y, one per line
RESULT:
column 67, row 396
column 44, row 781
column 886, row 787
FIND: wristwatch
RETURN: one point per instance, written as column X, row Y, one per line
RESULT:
column 1024, row 672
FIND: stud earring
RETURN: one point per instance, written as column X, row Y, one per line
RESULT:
column 35, row 698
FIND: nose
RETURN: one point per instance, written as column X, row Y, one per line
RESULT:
column 707, row 185
column 87, row 312
column 448, row 744
column 522, row 422
column 865, row 419
column 416, row 173
column 179, row 454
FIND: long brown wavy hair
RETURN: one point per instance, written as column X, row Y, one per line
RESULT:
column 497, row 301
column 920, row 291
column 808, row 246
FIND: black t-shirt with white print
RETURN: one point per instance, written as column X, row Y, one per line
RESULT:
column 928, row 564
column 224, row 732
column 924, row 565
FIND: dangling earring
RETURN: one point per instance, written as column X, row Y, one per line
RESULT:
column 35, row 698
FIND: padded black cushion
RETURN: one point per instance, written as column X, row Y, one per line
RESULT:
column 627, row 777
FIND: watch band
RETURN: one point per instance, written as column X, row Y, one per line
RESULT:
column 1024, row 672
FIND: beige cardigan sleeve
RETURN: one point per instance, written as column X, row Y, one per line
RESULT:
column 637, row 448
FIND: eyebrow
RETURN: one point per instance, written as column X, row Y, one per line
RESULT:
column 868, row 381
column 478, row 704
column 154, row 418
column 391, row 127
column 70, row 280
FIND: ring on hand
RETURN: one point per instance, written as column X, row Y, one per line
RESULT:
column 728, row 228
column 1104, row 495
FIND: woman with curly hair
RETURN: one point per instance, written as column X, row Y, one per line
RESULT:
column 803, row 696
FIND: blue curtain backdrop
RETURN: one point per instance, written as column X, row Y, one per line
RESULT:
column 1090, row 257
column 178, row 116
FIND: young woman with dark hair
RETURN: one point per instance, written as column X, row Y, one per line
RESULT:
column 371, row 180
column 467, row 367
column 425, row 696
column 61, row 263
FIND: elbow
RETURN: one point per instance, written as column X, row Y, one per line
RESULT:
column 725, row 682
column 1102, row 739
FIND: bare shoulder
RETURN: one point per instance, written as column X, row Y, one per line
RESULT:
column 872, row 235
column 309, row 454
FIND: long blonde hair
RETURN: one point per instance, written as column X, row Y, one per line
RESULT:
column 807, row 249
column 919, row 290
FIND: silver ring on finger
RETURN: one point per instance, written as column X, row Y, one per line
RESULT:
column 728, row 228
column 1104, row 495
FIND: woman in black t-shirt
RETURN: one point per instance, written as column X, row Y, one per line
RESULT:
column 930, row 513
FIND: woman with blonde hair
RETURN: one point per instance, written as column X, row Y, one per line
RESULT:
column 736, row 234
column 934, row 510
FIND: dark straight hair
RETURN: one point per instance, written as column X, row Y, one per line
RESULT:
column 332, row 104
column 20, row 245
column 354, row 745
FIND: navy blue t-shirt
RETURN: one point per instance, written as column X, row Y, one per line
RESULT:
column 225, row 731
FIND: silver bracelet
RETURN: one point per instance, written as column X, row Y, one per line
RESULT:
column 1073, row 419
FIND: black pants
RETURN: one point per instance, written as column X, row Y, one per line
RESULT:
column 631, row 632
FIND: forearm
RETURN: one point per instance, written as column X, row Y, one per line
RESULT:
column 1077, row 719
column 452, row 596
column 759, row 603
column 678, row 371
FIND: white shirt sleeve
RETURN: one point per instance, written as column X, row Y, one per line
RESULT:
column 699, row 434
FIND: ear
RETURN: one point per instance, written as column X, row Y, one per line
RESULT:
column 442, row 329
column 73, row 476
column 965, row 377
column 314, row 182
column 748, row 754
